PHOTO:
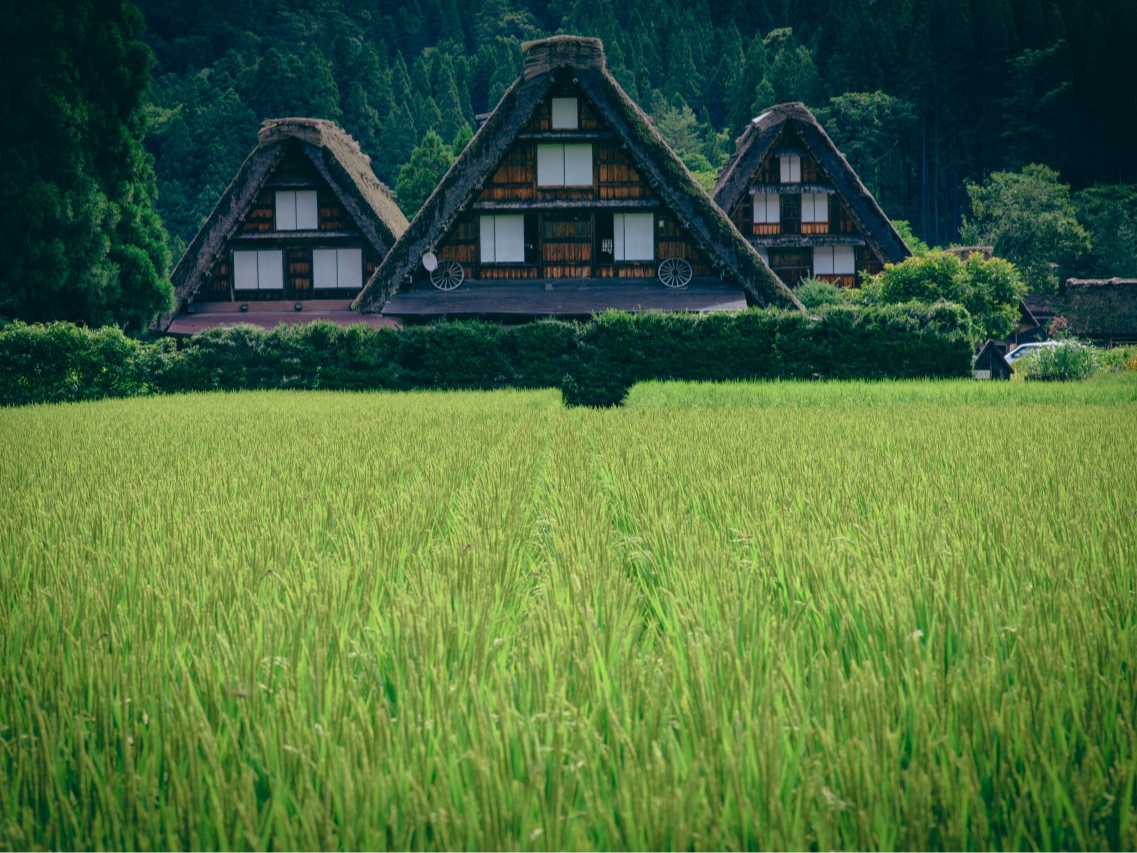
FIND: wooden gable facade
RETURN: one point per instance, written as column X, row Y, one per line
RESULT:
column 568, row 231
column 567, row 202
column 799, row 203
column 294, row 238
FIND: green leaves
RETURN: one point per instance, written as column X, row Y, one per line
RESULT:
column 418, row 177
column 78, row 230
column 988, row 290
column 1030, row 219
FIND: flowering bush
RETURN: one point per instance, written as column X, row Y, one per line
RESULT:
column 1071, row 360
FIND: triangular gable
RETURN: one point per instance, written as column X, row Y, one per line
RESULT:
column 757, row 142
column 338, row 160
column 583, row 58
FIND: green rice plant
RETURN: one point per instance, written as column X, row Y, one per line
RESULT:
column 782, row 615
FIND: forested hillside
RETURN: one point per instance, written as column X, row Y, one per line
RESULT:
column 922, row 95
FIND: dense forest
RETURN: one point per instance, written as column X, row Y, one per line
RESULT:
column 922, row 95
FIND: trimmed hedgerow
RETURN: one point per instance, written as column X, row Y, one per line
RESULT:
column 593, row 363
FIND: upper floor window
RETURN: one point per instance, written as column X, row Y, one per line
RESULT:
column 767, row 209
column 567, row 165
column 566, row 114
column 814, row 207
column 337, row 268
column 296, row 210
column 261, row 270
column 791, row 169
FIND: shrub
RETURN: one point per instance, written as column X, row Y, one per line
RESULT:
column 61, row 361
column 814, row 293
column 1071, row 360
column 990, row 290
column 1118, row 359
column 593, row 363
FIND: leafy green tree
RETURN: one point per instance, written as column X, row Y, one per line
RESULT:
column 990, row 290
column 421, row 174
column 1109, row 213
column 914, row 243
column 1029, row 218
column 79, row 233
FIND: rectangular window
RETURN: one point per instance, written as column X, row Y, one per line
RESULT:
column 296, row 210
column 565, row 114
column 262, row 270
column 791, row 169
column 605, row 237
column 337, row 269
column 834, row 260
column 767, row 208
column 634, row 236
column 814, row 207
column 503, row 239
column 564, row 165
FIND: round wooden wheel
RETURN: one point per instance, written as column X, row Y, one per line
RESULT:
column 447, row 275
column 675, row 272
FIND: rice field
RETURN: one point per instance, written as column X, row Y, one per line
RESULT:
column 727, row 617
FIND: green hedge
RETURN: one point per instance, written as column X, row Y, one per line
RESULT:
column 594, row 363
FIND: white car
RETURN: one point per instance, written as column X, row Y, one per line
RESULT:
column 1026, row 349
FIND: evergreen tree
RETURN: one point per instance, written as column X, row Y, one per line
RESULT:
column 420, row 175
column 449, row 103
column 754, row 70
column 79, row 233
column 396, row 141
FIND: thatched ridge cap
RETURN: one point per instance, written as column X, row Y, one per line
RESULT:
column 544, row 55
column 1099, row 282
column 317, row 131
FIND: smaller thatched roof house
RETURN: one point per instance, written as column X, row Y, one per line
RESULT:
column 798, row 201
column 293, row 238
column 1101, row 310
column 568, row 202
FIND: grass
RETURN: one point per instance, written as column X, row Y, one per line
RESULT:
column 780, row 616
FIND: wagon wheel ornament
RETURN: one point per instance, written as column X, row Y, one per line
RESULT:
column 447, row 275
column 675, row 272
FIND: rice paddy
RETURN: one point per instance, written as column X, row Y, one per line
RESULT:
column 725, row 617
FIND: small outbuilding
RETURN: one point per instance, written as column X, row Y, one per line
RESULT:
column 990, row 364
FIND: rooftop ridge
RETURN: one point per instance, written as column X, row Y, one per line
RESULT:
column 544, row 55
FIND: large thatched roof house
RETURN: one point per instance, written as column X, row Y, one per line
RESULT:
column 293, row 238
column 566, row 202
column 799, row 202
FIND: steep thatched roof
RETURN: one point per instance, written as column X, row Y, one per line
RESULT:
column 581, row 61
column 1100, row 308
column 338, row 159
column 756, row 143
